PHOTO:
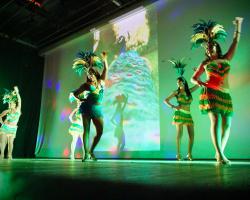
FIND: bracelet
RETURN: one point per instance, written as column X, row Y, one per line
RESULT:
column 237, row 32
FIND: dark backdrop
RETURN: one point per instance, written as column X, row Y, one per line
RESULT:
column 22, row 66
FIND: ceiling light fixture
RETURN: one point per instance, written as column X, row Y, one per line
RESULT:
column 34, row 2
column 117, row 3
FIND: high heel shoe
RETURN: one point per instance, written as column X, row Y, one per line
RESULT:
column 85, row 157
column 189, row 157
column 9, row 157
column 178, row 157
column 92, row 157
column 223, row 160
column 72, row 157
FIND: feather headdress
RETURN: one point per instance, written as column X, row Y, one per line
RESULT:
column 86, row 60
column 207, row 32
column 179, row 66
column 9, row 96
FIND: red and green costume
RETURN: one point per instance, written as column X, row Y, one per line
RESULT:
column 215, row 98
column 182, row 116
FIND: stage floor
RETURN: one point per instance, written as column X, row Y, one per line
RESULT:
column 121, row 179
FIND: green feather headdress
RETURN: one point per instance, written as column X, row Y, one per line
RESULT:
column 9, row 96
column 82, row 63
column 179, row 66
column 207, row 32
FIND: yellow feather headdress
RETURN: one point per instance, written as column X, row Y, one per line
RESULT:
column 207, row 32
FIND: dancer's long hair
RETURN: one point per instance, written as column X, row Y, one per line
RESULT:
column 186, row 87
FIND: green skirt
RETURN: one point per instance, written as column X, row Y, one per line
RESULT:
column 8, row 130
column 182, row 117
column 76, row 129
column 215, row 101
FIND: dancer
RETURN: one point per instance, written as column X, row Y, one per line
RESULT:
column 215, row 99
column 117, row 119
column 76, row 129
column 182, row 116
column 91, row 107
column 9, row 125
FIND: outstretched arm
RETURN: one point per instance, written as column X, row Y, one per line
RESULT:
column 192, row 89
column 2, row 115
column 19, row 103
column 105, row 62
column 237, row 22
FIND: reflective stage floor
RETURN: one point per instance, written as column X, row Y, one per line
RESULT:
column 122, row 179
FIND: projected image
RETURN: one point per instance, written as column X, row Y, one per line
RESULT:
column 132, row 81
column 130, row 103
column 117, row 120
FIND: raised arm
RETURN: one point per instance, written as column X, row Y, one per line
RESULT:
column 113, row 117
column 19, row 101
column 125, row 102
column 105, row 69
column 237, row 22
column 167, row 100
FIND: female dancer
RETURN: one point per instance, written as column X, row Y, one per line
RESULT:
column 215, row 99
column 182, row 116
column 75, row 129
column 91, row 106
column 9, row 125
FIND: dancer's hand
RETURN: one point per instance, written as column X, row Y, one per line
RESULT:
column 176, row 107
column 16, row 89
column 104, row 55
column 72, row 98
column 238, row 20
column 201, row 84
